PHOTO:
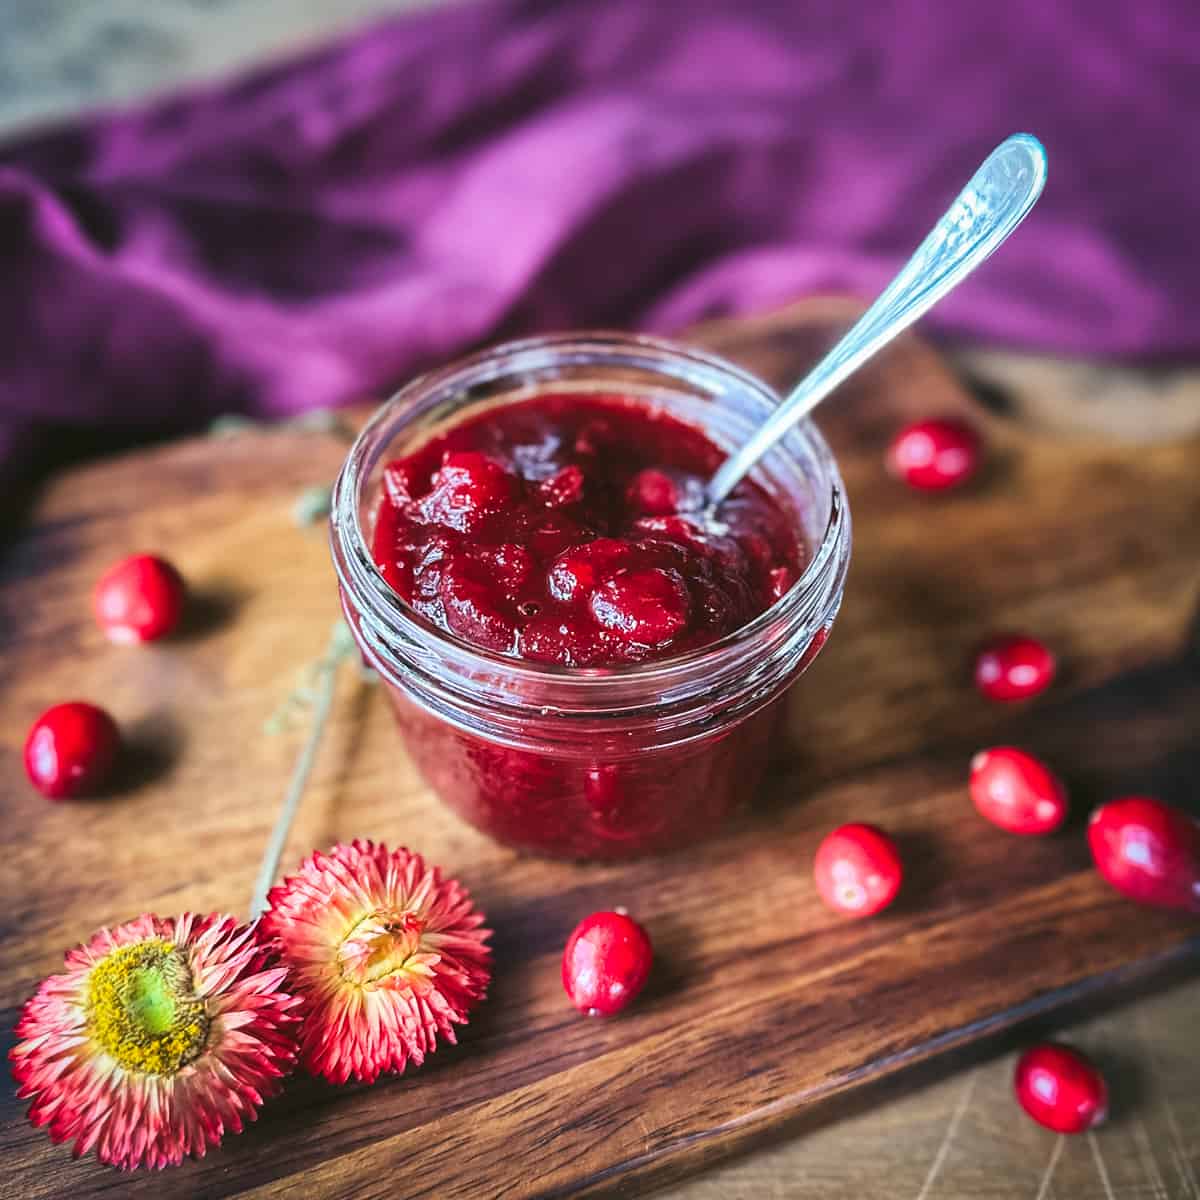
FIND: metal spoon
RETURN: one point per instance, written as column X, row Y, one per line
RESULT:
column 997, row 199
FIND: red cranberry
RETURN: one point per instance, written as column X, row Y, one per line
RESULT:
column 551, row 639
column 1015, row 791
column 858, row 870
column 606, row 963
column 652, row 493
column 1060, row 1088
column 649, row 606
column 139, row 600
column 468, row 488
column 1013, row 667
column 1149, row 851
column 508, row 564
column 578, row 571
column 465, row 590
column 934, row 455
column 687, row 532
column 565, row 486
column 553, row 534
column 70, row 749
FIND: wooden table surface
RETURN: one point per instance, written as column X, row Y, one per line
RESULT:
column 961, row 1137
column 1001, row 929
column 958, row 1135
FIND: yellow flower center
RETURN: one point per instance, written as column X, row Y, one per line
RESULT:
column 378, row 945
column 141, row 1008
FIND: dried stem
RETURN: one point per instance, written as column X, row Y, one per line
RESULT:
column 341, row 645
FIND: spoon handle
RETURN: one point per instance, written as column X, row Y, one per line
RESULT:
column 987, row 210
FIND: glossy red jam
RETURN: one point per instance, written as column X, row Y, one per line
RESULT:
column 609, row 806
column 571, row 530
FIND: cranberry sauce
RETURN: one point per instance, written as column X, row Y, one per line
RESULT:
column 570, row 529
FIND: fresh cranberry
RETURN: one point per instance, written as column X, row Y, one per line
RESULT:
column 606, row 963
column 649, row 606
column 1060, row 1088
column 467, row 489
column 1013, row 667
column 1015, row 791
column 858, row 870
column 1148, row 850
column 934, row 455
column 70, row 749
column 139, row 600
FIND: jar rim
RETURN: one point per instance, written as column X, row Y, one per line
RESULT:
column 362, row 580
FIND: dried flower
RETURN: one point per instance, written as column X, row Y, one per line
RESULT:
column 385, row 953
column 161, row 1036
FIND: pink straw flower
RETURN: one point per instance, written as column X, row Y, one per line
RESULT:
column 162, row 1035
column 385, row 953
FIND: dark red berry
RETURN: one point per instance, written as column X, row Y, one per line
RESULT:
column 858, row 870
column 139, row 600
column 1015, row 791
column 653, row 493
column 1060, row 1088
column 508, row 565
column 576, row 572
column 470, row 604
column 935, row 455
column 565, row 486
column 70, row 749
column 606, row 963
column 467, row 489
column 1148, row 850
column 649, row 606
column 1013, row 667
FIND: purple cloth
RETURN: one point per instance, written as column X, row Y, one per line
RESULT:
column 313, row 233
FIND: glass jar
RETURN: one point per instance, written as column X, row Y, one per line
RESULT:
column 599, row 762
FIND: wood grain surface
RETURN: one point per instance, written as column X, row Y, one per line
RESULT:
column 962, row 1136
column 764, row 1006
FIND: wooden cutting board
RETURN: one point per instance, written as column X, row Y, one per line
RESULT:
column 763, row 1004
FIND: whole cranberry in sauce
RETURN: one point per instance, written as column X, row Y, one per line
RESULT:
column 570, row 529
